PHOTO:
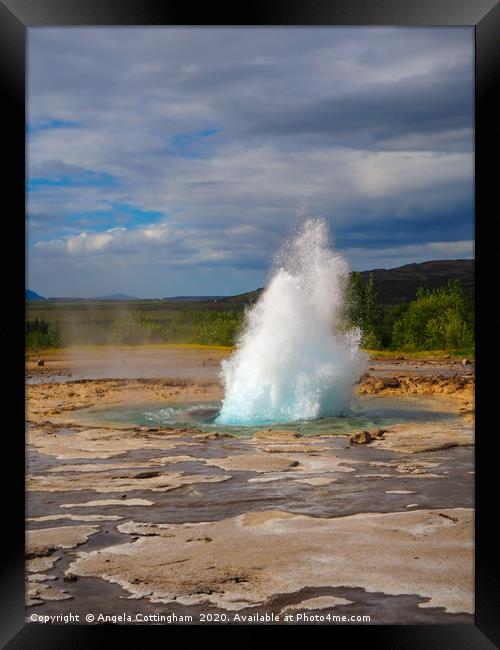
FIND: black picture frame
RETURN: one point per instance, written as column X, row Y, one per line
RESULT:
column 15, row 17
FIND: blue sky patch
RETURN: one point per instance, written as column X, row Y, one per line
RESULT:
column 46, row 125
column 87, row 178
column 191, row 144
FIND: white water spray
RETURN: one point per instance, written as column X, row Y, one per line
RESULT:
column 291, row 363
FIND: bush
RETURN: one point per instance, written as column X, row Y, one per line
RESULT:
column 134, row 328
column 439, row 319
column 205, row 327
column 362, row 311
column 202, row 327
column 41, row 334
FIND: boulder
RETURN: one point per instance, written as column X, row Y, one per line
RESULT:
column 465, row 362
column 40, row 362
column 361, row 438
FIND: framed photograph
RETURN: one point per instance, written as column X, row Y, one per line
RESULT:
column 249, row 323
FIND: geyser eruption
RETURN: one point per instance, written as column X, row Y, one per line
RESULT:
column 292, row 362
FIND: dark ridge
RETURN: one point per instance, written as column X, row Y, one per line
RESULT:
column 400, row 284
column 394, row 286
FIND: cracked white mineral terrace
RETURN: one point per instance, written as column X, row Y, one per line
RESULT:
column 426, row 436
column 102, row 482
column 321, row 602
column 252, row 462
column 100, row 442
column 97, row 503
column 40, row 577
column 320, row 480
column 242, row 561
column 44, row 563
column 43, row 541
column 236, row 559
column 76, row 518
column 37, row 594
column 130, row 464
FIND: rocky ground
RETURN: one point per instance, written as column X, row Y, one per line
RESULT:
column 126, row 520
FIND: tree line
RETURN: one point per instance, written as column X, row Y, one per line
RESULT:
column 441, row 318
column 437, row 319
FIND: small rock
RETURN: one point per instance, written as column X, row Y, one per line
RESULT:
column 294, row 463
column 216, row 436
column 40, row 362
column 391, row 382
column 466, row 362
column 410, row 468
column 148, row 474
column 70, row 577
column 361, row 438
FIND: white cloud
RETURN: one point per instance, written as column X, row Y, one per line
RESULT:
column 398, row 150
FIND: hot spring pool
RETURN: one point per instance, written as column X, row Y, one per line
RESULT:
column 367, row 412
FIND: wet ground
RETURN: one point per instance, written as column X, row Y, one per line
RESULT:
column 187, row 520
column 182, row 361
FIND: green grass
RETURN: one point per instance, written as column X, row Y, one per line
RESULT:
column 155, row 323
column 421, row 354
column 129, row 323
column 59, row 351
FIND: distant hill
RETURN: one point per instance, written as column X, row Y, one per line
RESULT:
column 400, row 284
column 114, row 296
column 394, row 286
column 193, row 298
column 246, row 298
column 33, row 295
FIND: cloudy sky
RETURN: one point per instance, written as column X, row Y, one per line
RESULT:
column 169, row 161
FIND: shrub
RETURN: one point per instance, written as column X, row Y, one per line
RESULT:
column 361, row 310
column 438, row 319
column 41, row 334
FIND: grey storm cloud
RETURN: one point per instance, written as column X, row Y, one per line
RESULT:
column 228, row 136
column 384, row 113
